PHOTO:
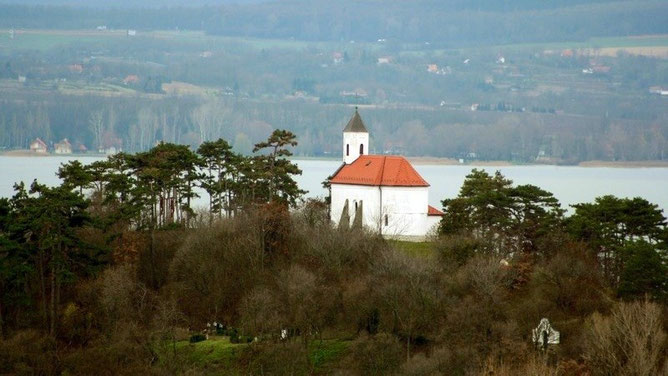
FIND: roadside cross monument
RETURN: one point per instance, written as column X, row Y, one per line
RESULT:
column 544, row 335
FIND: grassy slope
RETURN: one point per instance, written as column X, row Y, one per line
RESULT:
column 217, row 354
column 421, row 249
column 216, row 350
column 323, row 354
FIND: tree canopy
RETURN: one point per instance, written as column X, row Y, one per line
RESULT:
column 513, row 218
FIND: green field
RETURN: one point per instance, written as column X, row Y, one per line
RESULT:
column 641, row 41
column 79, row 87
column 217, row 354
column 44, row 40
column 592, row 43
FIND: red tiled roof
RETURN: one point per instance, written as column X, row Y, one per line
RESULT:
column 39, row 141
column 433, row 211
column 379, row 170
column 64, row 142
column 131, row 78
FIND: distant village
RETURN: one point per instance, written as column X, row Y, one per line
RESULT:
column 39, row 147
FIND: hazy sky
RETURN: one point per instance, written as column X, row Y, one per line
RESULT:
column 131, row 3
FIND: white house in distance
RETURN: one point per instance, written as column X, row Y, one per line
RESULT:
column 38, row 146
column 63, row 147
column 381, row 192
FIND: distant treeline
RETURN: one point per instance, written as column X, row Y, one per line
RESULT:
column 453, row 23
column 136, row 124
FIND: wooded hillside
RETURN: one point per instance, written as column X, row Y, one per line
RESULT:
column 113, row 273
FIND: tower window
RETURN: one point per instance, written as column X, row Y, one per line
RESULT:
column 347, row 150
column 361, row 149
column 386, row 220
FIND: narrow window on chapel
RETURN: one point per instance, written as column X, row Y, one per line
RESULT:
column 361, row 149
column 347, row 150
column 385, row 219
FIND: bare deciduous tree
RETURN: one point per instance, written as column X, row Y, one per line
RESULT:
column 96, row 123
column 629, row 342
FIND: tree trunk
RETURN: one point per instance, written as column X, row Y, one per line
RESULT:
column 52, row 319
column 408, row 348
column 2, row 323
column 152, row 253
column 42, row 283
column 229, row 204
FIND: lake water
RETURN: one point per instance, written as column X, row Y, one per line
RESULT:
column 568, row 184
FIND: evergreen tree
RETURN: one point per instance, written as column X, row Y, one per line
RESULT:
column 512, row 218
column 45, row 224
column 610, row 223
column 644, row 272
column 75, row 175
column 278, row 170
column 221, row 174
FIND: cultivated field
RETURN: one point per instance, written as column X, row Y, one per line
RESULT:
column 184, row 88
column 649, row 45
column 44, row 40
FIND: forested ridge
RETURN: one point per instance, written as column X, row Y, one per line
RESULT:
column 113, row 272
column 548, row 82
column 445, row 23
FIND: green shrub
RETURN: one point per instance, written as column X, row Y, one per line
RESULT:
column 199, row 337
column 234, row 335
column 457, row 250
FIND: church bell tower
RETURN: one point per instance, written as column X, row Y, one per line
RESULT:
column 355, row 139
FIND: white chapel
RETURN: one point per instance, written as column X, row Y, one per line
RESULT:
column 381, row 192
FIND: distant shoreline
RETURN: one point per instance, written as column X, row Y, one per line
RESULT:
column 455, row 162
column 586, row 164
column 624, row 164
column 435, row 161
column 28, row 153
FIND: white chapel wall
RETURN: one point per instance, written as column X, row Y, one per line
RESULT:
column 406, row 208
column 433, row 222
column 369, row 195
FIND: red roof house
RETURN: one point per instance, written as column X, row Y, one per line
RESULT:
column 38, row 146
column 63, row 147
column 131, row 79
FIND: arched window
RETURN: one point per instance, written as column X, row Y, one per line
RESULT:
column 386, row 220
column 347, row 150
column 361, row 149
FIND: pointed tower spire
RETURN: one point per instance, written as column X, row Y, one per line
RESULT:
column 355, row 139
column 355, row 124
